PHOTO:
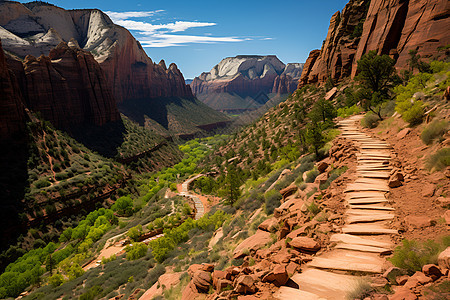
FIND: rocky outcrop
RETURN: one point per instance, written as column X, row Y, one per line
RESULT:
column 11, row 108
column 391, row 27
column 250, row 78
column 67, row 87
column 36, row 28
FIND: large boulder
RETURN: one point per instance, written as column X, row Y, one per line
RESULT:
column 305, row 244
column 202, row 280
column 278, row 276
column 432, row 271
column 252, row 243
column 245, row 284
column 444, row 259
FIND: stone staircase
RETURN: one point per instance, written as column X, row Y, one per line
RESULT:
column 365, row 236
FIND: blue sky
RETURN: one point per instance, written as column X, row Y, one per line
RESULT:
column 196, row 35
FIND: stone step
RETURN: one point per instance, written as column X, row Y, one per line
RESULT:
column 367, row 229
column 368, row 218
column 374, row 174
column 365, row 194
column 353, row 239
column 367, row 201
column 371, row 207
column 345, row 265
column 327, row 285
column 365, row 212
column 285, row 293
column 363, row 248
column 360, row 187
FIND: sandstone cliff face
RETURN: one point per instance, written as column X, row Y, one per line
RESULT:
column 37, row 28
column 244, row 81
column 67, row 87
column 11, row 109
column 391, row 27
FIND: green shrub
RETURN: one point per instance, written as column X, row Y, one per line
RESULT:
column 311, row 175
column 412, row 255
column 135, row 232
column 136, row 251
column 313, row 208
column 272, row 201
column 345, row 112
column 370, row 120
column 123, row 206
column 362, row 290
column 56, row 280
column 42, row 183
column 439, row 160
column 434, row 130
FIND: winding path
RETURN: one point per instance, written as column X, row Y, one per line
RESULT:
column 199, row 207
column 365, row 237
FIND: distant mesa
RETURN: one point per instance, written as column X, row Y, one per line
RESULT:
column 246, row 82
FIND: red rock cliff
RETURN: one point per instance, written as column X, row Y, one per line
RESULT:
column 67, row 87
column 11, row 108
column 389, row 27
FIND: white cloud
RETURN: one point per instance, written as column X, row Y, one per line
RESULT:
column 150, row 29
column 159, row 35
column 168, row 40
column 118, row 16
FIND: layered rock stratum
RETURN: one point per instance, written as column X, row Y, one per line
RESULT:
column 245, row 82
column 391, row 27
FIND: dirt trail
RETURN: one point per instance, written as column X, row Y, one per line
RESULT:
column 50, row 159
column 365, row 237
column 199, row 201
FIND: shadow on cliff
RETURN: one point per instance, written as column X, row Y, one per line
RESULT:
column 102, row 139
column 14, row 156
column 154, row 108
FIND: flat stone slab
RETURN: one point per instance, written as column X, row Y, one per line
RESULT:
column 365, row 194
column 325, row 284
column 372, row 207
column 285, row 292
column 353, row 239
column 370, row 212
column 354, row 187
column 363, row 248
column 374, row 174
column 367, row 201
column 367, row 229
column 369, row 218
column 345, row 265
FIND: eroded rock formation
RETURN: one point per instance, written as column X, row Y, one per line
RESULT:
column 67, row 87
column 391, row 27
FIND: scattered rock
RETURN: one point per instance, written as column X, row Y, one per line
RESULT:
column 432, row 271
column 447, row 216
column 245, row 285
column 415, row 222
column 321, row 178
column 202, row 280
column 417, row 279
column 403, row 133
column 218, row 275
column 254, row 242
column 444, row 259
column 305, row 243
column 268, row 225
column 396, row 180
column 428, row 190
column 330, row 94
column 404, row 294
column 401, row 280
column 322, row 166
column 392, row 273
column 278, row 276
column 286, row 192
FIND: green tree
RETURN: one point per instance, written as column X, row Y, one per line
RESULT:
column 123, row 206
column 323, row 110
column 135, row 232
column 376, row 78
column 314, row 137
column 415, row 62
column 232, row 184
